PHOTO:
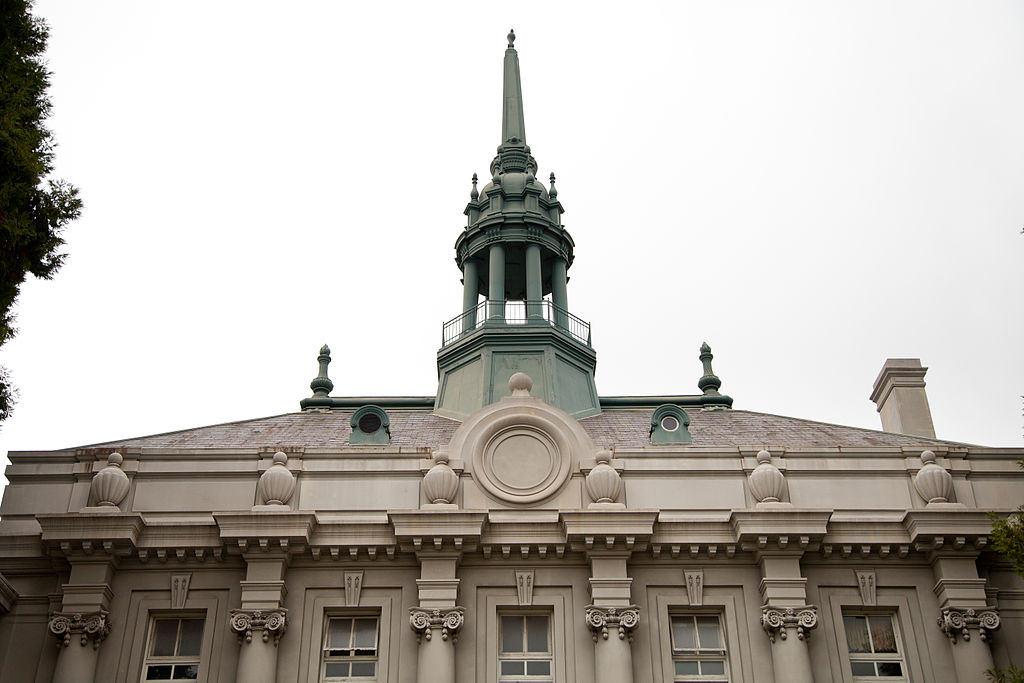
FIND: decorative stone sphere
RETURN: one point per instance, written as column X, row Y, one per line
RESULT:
column 766, row 481
column 110, row 485
column 440, row 483
column 603, row 483
column 520, row 384
column 933, row 482
column 277, row 484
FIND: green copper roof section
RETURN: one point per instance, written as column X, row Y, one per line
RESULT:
column 513, row 125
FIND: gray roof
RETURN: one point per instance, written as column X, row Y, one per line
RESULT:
column 417, row 428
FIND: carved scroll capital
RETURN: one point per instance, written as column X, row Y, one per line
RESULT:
column 268, row 623
column 777, row 620
column 86, row 626
column 449, row 621
column 621, row 619
column 957, row 622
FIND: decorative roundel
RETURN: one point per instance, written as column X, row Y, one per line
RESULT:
column 521, row 449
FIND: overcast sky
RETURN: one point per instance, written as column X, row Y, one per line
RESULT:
column 809, row 187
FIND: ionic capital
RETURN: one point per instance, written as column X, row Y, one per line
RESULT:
column 87, row 626
column 622, row 619
column 777, row 620
column 423, row 621
column 269, row 623
column 957, row 621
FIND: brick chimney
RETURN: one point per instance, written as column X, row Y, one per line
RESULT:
column 901, row 399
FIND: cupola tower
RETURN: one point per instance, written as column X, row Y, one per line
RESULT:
column 515, row 255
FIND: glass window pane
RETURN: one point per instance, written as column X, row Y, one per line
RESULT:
column 339, row 632
column 863, row 668
column 158, row 673
column 538, row 668
column 710, row 668
column 165, row 633
column 191, row 637
column 363, row 669
column 882, row 635
column 186, row 672
column 337, row 669
column 684, row 637
column 707, row 633
column 686, row 669
column 511, row 634
column 890, row 669
column 366, row 634
column 537, row 633
column 857, row 634
column 512, row 668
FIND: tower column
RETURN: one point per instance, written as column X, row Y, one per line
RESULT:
column 965, row 615
column 533, row 282
column 559, row 293
column 786, row 617
column 496, row 283
column 437, row 619
column 83, row 622
column 470, row 283
column 612, row 617
column 262, row 620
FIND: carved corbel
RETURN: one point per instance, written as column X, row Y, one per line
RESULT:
column 957, row 622
column 269, row 623
column 87, row 626
column 423, row 621
column 622, row 619
column 776, row 620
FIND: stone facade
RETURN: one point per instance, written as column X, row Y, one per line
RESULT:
column 492, row 534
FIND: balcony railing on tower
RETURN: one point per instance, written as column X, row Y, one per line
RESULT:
column 515, row 314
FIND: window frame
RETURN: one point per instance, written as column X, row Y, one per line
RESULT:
column 698, row 654
column 325, row 657
column 548, row 656
column 148, row 659
column 899, row 656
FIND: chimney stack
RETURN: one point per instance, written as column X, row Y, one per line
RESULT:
column 901, row 399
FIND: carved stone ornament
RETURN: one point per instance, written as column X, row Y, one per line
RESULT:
column 766, row 481
column 623, row 619
column 110, row 485
column 694, row 586
column 440, row 483
column 933, row 483
column 956, row 622
column 87, row 626
column 277, row 484
column 776, row 620
column 270, row 623
column 867, row 583
column 524, row 586
column 603, row 483
column 423, row 621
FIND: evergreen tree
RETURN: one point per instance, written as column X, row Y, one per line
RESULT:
column 33, row 207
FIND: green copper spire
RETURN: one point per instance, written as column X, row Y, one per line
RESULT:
column 513, row 126
column 709, row 383
column 322, row 385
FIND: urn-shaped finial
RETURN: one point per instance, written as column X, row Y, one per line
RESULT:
column 603, row 483
column 933, row 482
column 110, row 485
column 277, row 484
column 440, row 483
column 766, row 481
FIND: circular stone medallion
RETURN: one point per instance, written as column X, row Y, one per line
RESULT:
column 521, row 461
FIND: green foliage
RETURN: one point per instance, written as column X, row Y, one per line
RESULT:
column 33, row 208
column 1008, row 535
column 1010, row 674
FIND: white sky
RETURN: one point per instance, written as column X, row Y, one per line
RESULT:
column 810, row 187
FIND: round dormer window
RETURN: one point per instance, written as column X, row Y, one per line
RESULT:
column 369, row 423
column 669, row 423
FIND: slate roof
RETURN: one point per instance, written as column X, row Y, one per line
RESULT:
column 412, row 428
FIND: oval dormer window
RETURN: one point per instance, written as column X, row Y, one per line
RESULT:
column 369, row 423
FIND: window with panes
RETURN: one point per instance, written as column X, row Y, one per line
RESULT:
column 874, row 648
column 350, row 649
column 524, row 648
column 172, row 653
column 698, row 648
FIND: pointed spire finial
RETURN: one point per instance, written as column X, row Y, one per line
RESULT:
column 322, row 384
column 511, row 39
column 474, row 194
column 552, row 191
column 709, row 383
column 513, row 129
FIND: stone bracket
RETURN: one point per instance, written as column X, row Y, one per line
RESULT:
column 776, row 620
column 956, row 622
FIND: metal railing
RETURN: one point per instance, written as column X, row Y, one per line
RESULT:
column 514, row 314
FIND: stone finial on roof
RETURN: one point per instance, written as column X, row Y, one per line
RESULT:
column 709, row 383
column 511, row 38
column 474, row 194
column 552, row 192
column 322, row 384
